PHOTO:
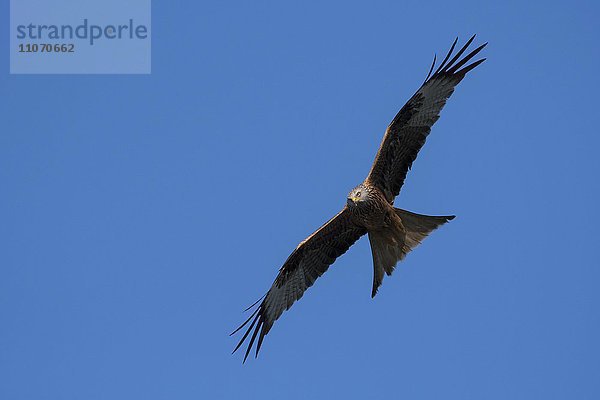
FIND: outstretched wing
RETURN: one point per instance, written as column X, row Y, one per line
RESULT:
column 407, row 132
column 309, row 261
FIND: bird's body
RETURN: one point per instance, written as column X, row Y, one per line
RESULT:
column 392, row 232
column 369, row 207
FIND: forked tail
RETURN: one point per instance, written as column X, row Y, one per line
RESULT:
column 390, row 246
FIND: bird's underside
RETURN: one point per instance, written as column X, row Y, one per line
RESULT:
column 369, row 210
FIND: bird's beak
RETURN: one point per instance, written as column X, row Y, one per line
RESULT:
column 351, row 201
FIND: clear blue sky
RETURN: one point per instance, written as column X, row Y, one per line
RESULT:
column 139, row 215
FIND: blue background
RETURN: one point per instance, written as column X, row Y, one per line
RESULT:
column 141, row 214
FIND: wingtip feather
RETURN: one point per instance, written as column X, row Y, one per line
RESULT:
column 470, row 67
column 453, row 67
column 447, row 57
column 260, row 322
column 432, row 66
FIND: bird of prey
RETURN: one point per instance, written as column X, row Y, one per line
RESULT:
column 369, row 207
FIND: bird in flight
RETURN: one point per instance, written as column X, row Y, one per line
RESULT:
column 369, row 208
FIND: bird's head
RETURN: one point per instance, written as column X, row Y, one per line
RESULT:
column 358, row 195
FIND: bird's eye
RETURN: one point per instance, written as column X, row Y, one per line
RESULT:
column 357, row 194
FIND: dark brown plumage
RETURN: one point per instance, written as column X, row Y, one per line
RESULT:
column 370, row 206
